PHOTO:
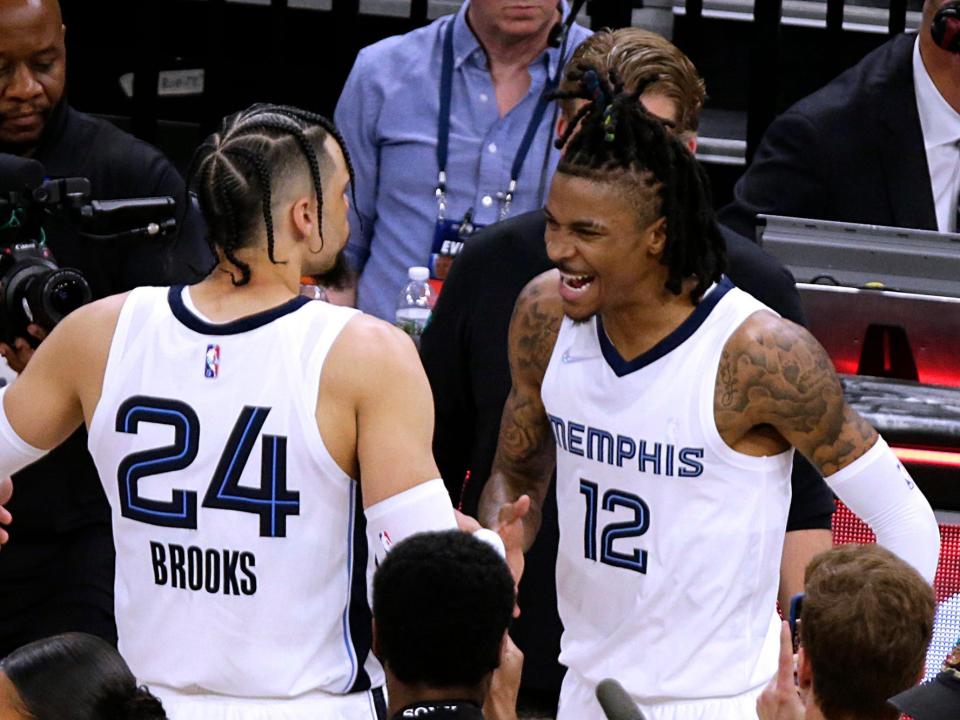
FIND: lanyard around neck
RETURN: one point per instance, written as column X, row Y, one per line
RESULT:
column 443, row 128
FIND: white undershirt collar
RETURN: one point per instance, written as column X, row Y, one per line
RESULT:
column 940, row 125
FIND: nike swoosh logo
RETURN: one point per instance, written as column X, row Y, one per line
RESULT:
column 568, row 358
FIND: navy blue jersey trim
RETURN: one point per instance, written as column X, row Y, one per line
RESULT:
column 245, row 324
column 671, row 342
column 360, row 617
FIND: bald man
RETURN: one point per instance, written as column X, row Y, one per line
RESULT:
column 56, row 574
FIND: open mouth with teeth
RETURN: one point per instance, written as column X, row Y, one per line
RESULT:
column 574, row 285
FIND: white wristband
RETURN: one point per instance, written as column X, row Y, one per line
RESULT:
column 492, row 539
column 423, row 508
column 880, row 492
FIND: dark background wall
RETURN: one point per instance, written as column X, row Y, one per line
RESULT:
column 272, row 52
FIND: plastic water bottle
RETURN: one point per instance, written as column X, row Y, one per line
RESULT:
column 415, row 303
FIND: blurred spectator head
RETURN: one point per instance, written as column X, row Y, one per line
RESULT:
column 938, row 699
column 32, row 70
column 73, row 676
column 279, row 173
column 442, row 603
column 867, row 620
column 635, row 54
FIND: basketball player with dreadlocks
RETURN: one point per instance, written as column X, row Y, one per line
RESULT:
column 242, row 432
column 671, row 402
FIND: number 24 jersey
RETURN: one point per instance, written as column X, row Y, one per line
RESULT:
column 242, row 558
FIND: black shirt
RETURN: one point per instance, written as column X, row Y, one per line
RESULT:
column 62, row 490
column 448, row 710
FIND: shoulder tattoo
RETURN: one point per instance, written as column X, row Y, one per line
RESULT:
column 534, row 327
column 775, row 373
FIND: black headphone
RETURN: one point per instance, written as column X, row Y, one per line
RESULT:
column 945, row 27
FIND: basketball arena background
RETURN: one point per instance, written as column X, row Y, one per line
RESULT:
column 167, row 70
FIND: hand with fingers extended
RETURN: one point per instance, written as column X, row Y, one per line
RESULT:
column 780, row 699
column 6, row 491
column 19, row 354
column 511, row 531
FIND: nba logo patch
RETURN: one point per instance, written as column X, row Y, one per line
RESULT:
column 212, row 361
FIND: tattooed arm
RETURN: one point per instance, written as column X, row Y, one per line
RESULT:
column 775, row 382
column 774, row 375
column 525, row 451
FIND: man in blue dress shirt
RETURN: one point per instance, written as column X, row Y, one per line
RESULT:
column 501, row 61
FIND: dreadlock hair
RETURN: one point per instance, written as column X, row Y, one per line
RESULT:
column 620, row 143
column 238, row 169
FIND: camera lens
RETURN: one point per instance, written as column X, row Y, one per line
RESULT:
column 67, row 294
column 55, row 294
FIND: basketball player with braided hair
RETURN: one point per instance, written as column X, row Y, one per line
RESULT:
column 671, row 403
column 246, row 437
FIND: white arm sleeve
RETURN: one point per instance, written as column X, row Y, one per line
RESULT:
column 876, row 487
column 15, row 453
column 423, row 508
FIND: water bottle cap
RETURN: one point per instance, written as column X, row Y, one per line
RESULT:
column 418, row 273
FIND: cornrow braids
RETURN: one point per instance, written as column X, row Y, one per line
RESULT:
column 266, row 196
column 228, row 212
column 323, row 122
column 614, row 139
column 199, row 156
column 235, row 169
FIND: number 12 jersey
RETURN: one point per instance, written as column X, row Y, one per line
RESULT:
column 670, row 541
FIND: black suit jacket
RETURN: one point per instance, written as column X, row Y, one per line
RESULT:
column 853, row 151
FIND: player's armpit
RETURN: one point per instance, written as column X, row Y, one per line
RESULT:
column 525, row 452
column 774, row 373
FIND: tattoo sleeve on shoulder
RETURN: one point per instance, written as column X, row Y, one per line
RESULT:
column 534, row 327
column 773, row 372
column 524, row 449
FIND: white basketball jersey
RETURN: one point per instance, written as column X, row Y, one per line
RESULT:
column 242, row 558
column 670, row 541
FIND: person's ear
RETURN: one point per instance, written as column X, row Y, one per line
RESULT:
column 303, row 216
column 561, row 124
column 657, row 237
column 691, row 142
column 804, row 670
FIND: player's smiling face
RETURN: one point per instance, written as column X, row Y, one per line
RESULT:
column 604, row 251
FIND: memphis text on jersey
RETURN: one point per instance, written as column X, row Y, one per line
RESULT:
column 657, row 458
